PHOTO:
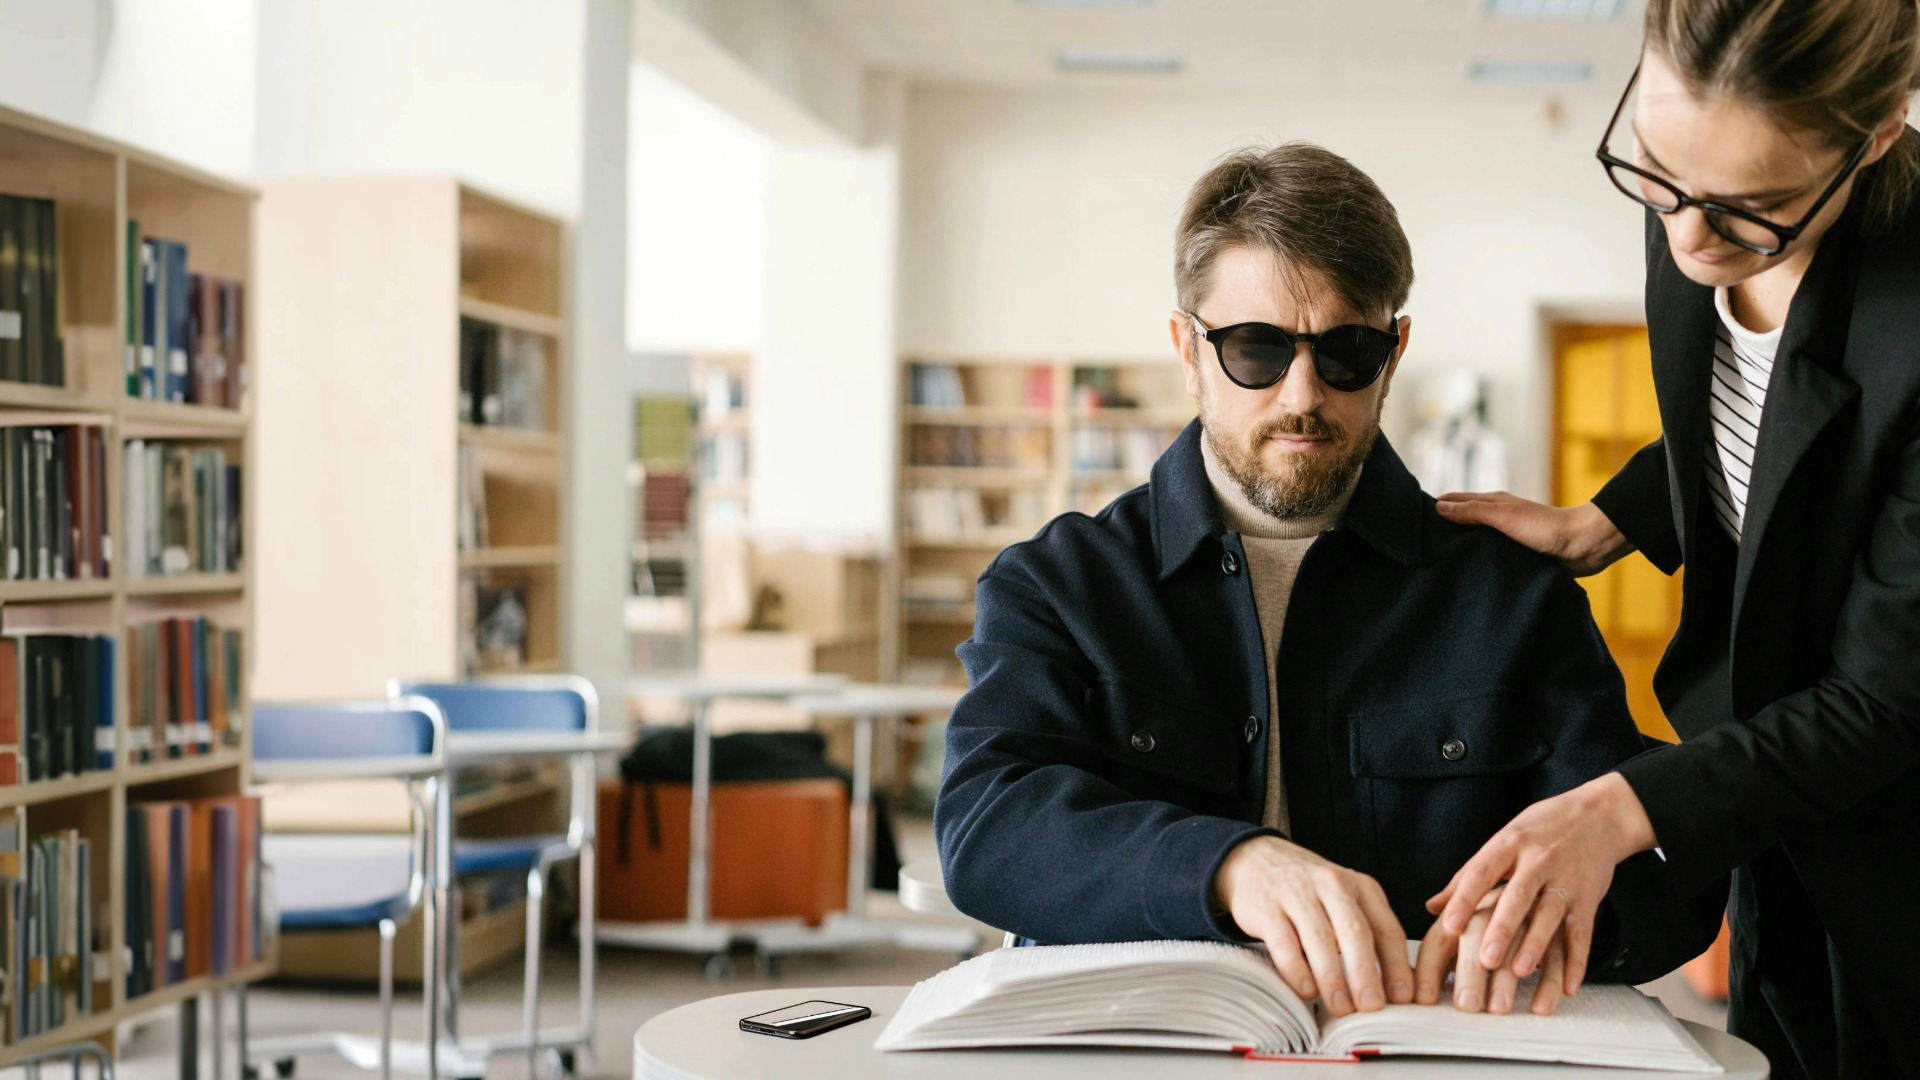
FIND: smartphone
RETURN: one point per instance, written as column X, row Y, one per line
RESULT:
column 805, row 1020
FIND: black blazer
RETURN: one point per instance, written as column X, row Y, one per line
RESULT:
column 1434, row 680
column 1794, row 677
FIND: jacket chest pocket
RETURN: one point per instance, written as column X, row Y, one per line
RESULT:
column 1474, row 735
column 1433, row 780
column 1169, row 735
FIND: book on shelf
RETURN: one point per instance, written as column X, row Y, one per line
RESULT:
column 493, row 623
column 56, row 706
column 968, row 446
column 31, row 349
column 665, row 506
column 723, row 458
column 53, row 499
column 944, row 386
column 193, row 890
column 46, row 921
column 183, row 510
column 725, row 392
column 1131, row 450
column 1199, row 995
column 663, row 433
column 503, row 376
column 183, row 688
column 945, row 513
column 186, row 340
column 470, row 533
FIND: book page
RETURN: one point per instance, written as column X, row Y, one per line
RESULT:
column 1203, row 995
column 1601, row 1025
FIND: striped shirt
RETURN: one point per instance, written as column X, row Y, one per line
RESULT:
column 1742, row 368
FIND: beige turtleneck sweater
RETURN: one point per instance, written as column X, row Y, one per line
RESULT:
column 1274, row 547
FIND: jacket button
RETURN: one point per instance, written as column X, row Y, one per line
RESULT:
column 1253, row 728
column 1229, row 564
column 1142, row 741
column 1453, row 749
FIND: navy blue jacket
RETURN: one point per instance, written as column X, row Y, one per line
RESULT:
column 1434, row 681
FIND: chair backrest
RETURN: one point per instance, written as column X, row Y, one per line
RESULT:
column 517, row 703
column 400, row 727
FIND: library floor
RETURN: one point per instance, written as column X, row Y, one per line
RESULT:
column 633, row 986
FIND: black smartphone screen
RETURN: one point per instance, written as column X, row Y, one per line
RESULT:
column 805, row 1020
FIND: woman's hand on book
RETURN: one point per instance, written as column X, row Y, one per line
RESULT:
column 1329, row 929
column 1557, row 859
column 1474, row 987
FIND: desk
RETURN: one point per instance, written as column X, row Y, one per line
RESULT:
column 922, row 889
column 703, row 1041
column 698, row 691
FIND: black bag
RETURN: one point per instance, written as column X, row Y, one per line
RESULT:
column 665, row 756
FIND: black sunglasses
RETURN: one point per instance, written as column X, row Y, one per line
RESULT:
column 1256, row 355
column 1750, row 231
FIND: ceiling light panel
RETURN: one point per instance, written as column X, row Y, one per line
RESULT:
column 1559, row 74
column 1116, row 62
column 1581, row 10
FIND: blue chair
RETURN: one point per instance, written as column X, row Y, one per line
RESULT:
column 530, row 705
column 348, row 882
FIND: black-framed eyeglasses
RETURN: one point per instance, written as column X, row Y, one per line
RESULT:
column 1257, row 355
column 1749, row 230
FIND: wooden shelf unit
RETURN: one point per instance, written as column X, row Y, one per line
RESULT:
column 98, row 186
column 1029, row 438
column 367, row 283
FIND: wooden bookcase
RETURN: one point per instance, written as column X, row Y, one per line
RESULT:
column 366, row 282
column 98, row 186
column 1004, row 444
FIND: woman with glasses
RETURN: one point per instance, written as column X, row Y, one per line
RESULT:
column 1768, row 140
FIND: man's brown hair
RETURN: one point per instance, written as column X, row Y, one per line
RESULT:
column 1313, row 210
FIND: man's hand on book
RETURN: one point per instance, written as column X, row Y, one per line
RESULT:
column 1474, row 987
column 1556, row 859
column 1329, row 929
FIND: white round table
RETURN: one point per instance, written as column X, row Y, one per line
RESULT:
column 703, row 1041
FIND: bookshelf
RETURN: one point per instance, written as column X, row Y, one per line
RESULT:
column 92, row 301
column 421, row 472
column 418, row 327
column 991, row 448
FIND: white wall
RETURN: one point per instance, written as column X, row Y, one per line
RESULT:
column 176, row 78
column 490, row 90
column 826, row 374
column 696, row 222
column 1041, row 222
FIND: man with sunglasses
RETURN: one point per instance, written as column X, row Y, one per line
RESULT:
column 1271, row 695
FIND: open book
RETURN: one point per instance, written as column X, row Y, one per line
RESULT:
column 1202, row 995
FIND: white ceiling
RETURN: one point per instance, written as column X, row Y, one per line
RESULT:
column 1297, row 46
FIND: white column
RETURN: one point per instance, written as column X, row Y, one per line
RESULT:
column 599, row 505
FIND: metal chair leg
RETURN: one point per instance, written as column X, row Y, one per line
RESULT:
column 386, row 1000
column 240, row 1025
column 530, row 995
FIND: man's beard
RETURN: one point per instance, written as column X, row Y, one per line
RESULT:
column 1307, row 485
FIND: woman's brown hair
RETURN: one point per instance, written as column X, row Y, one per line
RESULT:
column 1839, row 67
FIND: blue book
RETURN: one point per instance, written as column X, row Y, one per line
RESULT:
column 179, row 304
column 152, row 326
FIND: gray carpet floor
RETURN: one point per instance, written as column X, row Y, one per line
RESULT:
column 632, row 987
